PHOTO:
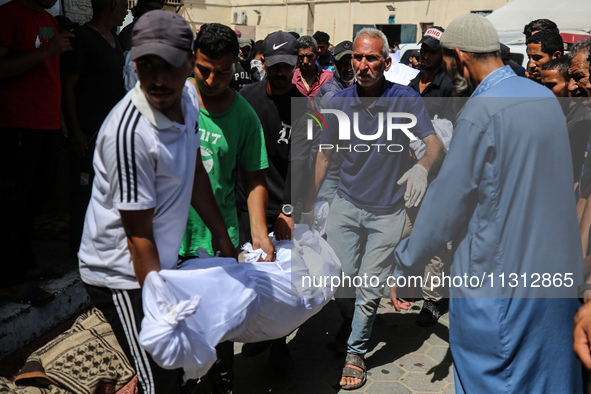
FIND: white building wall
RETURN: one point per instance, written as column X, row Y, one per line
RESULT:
column 336, row 17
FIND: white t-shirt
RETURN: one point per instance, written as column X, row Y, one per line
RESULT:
column 142, row 160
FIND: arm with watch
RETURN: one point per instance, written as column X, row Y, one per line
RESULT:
column 298, row 194
column 284, row 223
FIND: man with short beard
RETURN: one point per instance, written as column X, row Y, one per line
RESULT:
column 343, row 77
column 582, row 322
column 578, row 113
column 309, row 77
column 504, row 197
column 367, row 215
column 433, row 81
column 148, row 172
column 271, row 100
column 231, row 136
column 579, row 88
column 578, row 71
column 462, row 86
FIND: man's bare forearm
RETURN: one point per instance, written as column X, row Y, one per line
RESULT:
column 140, row 241
column 434, row 153
column 257, row 197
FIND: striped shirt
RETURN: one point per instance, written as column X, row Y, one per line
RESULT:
column 142, row 161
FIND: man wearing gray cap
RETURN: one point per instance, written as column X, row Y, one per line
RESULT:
column 504, row 197
column 148, row 170
column 343, row 77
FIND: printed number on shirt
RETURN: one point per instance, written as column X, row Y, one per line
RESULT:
column 208, row 135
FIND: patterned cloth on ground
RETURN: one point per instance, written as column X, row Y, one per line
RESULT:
column 85, row 359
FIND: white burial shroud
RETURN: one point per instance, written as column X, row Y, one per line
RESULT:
column 210, row 300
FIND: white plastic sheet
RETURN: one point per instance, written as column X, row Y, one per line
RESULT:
column 444, row 130
column 190, row 310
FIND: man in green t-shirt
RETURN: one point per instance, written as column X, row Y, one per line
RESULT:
column 231, row 133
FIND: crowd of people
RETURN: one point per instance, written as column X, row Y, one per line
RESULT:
column 206, row 152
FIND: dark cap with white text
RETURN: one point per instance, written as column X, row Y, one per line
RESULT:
column 432, row 37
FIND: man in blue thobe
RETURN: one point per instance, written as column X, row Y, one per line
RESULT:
column 504, row 196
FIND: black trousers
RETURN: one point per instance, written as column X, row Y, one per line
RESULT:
column 123, row 310
column 27, row 159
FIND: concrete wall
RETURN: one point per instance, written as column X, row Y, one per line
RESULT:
column 201, row 12
column 79, row 11
column 336, row 17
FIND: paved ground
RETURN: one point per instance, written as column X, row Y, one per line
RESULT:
column 403, row 358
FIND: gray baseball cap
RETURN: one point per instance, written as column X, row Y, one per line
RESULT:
column 245, row 42
column 164, row 34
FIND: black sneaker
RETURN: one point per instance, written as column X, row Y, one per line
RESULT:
column 430, row 313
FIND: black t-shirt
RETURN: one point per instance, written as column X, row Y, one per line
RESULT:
column 274, row 113
column 241, row 77
column 441, row 86
column 100, row 84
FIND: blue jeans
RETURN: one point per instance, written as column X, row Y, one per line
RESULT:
column 364, row 243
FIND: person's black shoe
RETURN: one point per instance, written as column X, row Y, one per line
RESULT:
column 431, row 312
column 254, row 349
